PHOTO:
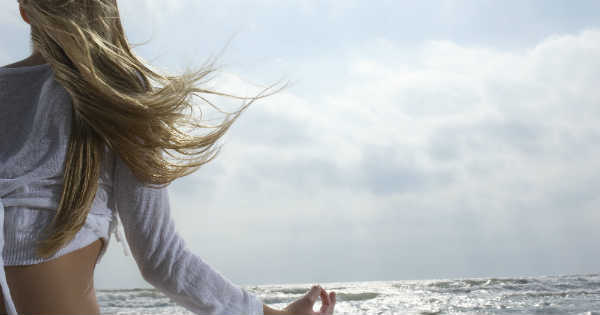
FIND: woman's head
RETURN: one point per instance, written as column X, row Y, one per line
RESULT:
column 115, row 106
column 81, row 29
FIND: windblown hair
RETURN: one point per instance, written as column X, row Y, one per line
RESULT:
column 115, row 106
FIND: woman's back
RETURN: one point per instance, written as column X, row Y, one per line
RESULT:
column 62, row 286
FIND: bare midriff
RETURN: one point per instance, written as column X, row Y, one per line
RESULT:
column 64, row 285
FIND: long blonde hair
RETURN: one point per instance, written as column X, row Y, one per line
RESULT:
column 116, row 106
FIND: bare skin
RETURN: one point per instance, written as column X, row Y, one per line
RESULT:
column 64, row 285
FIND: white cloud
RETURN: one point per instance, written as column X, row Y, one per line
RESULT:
column 462, row 144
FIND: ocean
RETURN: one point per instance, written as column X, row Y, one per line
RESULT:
column 574, row 294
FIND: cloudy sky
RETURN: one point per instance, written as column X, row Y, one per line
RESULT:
column 417, row 140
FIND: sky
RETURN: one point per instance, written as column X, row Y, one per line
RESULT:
column 417, row 139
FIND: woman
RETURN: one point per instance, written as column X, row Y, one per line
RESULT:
column 86, row 139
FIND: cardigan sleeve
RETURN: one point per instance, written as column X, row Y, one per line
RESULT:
column 162, row 256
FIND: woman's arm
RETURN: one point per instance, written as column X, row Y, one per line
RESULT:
column 162, row 256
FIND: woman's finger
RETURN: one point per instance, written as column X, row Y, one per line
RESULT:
column 332, row 302
column 328, row 309
column 324, row 302
column 331, row 306
column 314, row 294
column 324, row 297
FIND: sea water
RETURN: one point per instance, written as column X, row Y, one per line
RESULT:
column 575, row 294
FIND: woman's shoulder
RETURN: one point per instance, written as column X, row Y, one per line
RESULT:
column 23, row 69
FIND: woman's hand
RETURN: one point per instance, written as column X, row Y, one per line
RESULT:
column 304, row 305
